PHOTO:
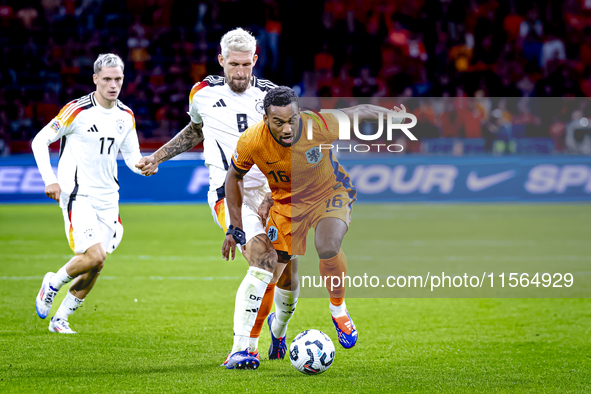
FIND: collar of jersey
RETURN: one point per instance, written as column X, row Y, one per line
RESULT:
column 103, row 109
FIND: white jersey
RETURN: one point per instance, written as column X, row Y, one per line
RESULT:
column 91, row 137
column 225, row 116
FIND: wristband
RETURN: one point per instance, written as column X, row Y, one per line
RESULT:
column 237, row 234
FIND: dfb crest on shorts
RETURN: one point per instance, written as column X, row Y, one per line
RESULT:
column 120, row 126
column 314, row 155
column 89, row 234
column 272, row 233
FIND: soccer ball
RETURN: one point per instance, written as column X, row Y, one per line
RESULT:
column 311, row 352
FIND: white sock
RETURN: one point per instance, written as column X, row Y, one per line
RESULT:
column 68, row 306
column 285, row 304
column 60, row 278
column 338, row 311
column 253, row 344
column 248, row 301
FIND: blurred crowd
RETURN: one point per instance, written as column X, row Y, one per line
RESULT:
column 352, row 48
column 476, row 125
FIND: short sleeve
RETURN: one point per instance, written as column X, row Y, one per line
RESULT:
column 194, row 113
column 242, row 159
column 194, row 103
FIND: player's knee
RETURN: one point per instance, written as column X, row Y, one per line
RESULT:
column 96, row 258
column 328, row 250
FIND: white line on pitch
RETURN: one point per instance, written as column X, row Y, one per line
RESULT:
column 206, row 278
column 116, row 256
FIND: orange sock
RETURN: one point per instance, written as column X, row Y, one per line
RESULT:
column 335, row 267
column 264, row 310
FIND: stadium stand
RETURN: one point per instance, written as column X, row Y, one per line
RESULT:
column 396, row 48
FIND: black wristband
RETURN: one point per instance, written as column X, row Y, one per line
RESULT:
column 237, row 234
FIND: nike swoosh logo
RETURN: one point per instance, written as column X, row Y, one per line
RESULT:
column 274, row 162
column 476, row 184
column 330, row 210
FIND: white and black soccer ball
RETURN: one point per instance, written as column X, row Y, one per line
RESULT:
column 311, row 352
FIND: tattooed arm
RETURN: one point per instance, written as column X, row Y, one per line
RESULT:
column 186, row 139
column 265, row 208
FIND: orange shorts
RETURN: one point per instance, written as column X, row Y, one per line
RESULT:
column 289, row 234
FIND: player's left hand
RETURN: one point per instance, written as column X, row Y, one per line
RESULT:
column 148, row 165
column 229, row 247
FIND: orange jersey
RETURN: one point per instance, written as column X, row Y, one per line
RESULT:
column 299, row 176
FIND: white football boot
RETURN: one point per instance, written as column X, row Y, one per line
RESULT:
column 44, row 299
column 61, row 326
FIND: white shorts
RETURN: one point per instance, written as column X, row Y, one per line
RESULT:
column 251, row 221
column 89, row 222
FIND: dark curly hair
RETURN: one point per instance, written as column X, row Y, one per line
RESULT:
column 280, row 96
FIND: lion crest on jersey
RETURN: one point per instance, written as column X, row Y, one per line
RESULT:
column 120, row 126
column 314, row 155
column 272, row 233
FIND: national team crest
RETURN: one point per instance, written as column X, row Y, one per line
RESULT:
column 314, row 155
column 120, row 126
column 260, row 107
column 89, row 234
column 272, row 233
column 55, row 126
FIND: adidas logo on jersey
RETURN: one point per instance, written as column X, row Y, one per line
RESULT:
column 220, row 103
column 93, row 129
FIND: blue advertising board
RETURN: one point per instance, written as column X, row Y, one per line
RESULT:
column 480, row 178
column 400, row 179
column 176, row 181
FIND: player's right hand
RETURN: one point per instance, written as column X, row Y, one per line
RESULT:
column 402, row 109
column 148, row 165
column 53, row 191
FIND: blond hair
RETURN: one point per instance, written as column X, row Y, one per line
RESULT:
column 238, row 40
column 107, row 60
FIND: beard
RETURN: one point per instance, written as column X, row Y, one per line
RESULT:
column 238, row 85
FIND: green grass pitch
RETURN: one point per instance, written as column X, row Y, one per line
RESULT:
column 160, row 317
